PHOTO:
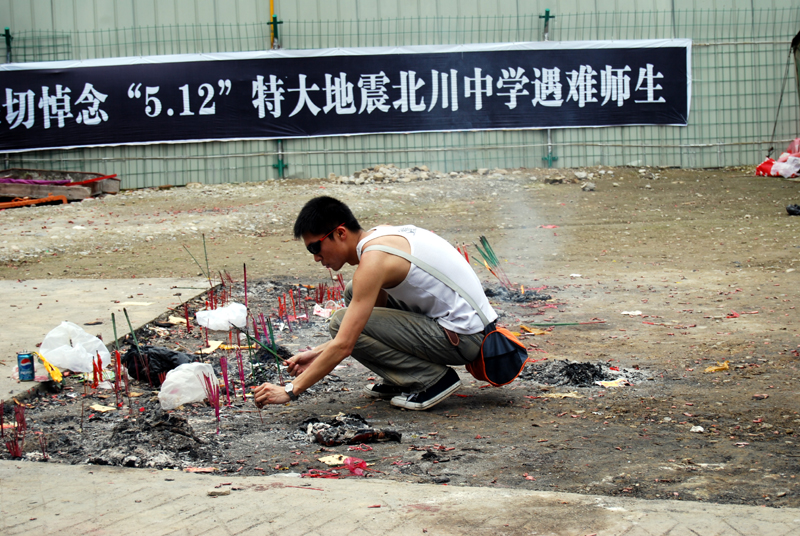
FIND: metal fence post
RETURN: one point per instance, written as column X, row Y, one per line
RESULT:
column 796, row 51
column 8, row 45
column 549, row 158
column 276, row 44
column 280, row 166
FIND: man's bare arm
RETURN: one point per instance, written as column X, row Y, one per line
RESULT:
column 367, row 282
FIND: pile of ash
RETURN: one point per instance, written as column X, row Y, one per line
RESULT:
column 264, row 367
column 578, row 374
column 157, row 439
column 515, row 294
column 349, row 429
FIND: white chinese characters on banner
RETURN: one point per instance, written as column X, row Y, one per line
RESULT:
column 512, row 83
column 268, row 96
column 56, row 108
column 513, row 80
column 547, row 87
column 93, row 114
column 374, row 91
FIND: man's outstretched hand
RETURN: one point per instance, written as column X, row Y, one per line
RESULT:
column 266, row 393
column 298, row 363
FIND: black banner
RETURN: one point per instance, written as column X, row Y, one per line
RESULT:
column 290, row 94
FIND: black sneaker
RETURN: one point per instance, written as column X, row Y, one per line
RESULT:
column 431, row 396
column 383, row 390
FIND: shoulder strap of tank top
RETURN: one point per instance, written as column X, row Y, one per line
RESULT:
column 435, row 273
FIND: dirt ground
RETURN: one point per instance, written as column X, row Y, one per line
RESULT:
column 707, row 257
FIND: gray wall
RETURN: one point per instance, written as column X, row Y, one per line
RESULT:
column 739, row 58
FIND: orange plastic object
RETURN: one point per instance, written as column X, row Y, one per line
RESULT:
column 21, row 202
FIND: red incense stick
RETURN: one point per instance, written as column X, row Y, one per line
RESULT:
column 186, row 313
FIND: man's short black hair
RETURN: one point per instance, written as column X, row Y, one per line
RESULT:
column 323, row 214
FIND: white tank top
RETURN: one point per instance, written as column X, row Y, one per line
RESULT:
column 425, row 293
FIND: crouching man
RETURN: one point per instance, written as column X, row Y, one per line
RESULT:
column 400, row 322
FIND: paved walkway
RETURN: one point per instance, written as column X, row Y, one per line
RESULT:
column 32, row 308
column 41, row 498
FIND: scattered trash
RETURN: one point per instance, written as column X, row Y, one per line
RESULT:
column 619, row 382
column 321, row 311
column 631, row 313
column 177, row 320
column 787, row 165
column 787, row 168
column 68, row 346
column 222, row 318
column 760, row 397
column 350, row 429
column 356, row 466
column 562, row 395
column 156, row 362
column 532, row 331
column 793, row 210
column 25, row 367
column 218, row 492
column 183, row 386
column 320, row 473
column 55, row 374
column 697, row 429
column 719, row 367
column 333, row 460
column 363, row 447
column 212, row 347
column 101, row 408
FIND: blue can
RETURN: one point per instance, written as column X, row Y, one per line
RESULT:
column 25, row 363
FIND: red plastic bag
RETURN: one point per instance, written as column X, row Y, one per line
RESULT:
column 356, row 466
column 787, row 168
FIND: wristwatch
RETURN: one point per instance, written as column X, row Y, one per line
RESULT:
column 289, row 388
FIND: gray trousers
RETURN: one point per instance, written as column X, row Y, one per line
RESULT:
column 405, row 347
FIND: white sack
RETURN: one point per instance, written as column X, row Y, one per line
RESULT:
column 69, row 347
column 184, row 385
column 222, row 318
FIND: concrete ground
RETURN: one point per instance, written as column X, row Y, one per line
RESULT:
column 723, row 230
column 41, row 498
column 34, row 307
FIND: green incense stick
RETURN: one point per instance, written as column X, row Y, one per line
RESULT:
column 198, row 265
column 205, row 251
column 262, row 345
column 133, row 333
column 114, row 324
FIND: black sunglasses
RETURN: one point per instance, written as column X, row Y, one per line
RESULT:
column 315, row 247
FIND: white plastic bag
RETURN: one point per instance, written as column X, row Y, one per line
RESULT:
column 184, row 385
column 787, row 169
column 222, row 318
column 68, row 346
